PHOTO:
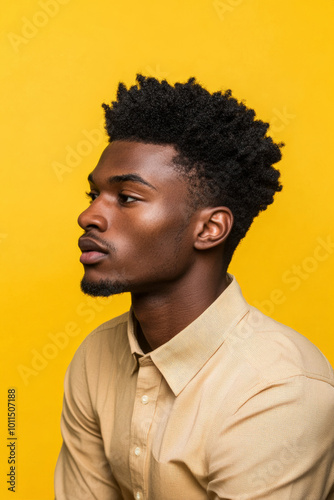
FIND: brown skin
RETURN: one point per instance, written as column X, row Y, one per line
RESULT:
column 168, row 257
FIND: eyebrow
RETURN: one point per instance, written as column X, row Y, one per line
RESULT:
column 123, row 178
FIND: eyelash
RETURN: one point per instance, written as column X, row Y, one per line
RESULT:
column 91, row 196
column 122, row 197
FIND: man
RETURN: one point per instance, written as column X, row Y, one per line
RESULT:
column 193, row 394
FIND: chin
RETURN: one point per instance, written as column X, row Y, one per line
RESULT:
column 103, row 287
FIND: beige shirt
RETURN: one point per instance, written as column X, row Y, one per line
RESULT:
column 236, row 406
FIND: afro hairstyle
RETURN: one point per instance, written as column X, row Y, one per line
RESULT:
column 219, row 144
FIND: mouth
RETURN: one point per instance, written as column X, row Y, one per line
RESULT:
column 92, row 252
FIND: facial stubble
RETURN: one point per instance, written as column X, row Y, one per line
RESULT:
column 103, row 287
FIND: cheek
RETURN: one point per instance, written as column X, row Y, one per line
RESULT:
column 148, row 233
column 164, row 219
column 162, row 230
column 166, row 241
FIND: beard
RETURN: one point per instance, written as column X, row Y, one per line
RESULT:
column 103, row 288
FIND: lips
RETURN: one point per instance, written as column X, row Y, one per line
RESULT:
column 92, row 252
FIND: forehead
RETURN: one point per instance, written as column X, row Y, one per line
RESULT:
column 150, row 161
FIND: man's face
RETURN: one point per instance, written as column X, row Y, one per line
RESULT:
column 138, row 230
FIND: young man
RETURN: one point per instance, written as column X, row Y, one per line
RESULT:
column 193, row 394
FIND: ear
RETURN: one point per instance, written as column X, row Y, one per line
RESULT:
column 213, row 227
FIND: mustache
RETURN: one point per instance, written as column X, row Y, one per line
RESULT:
column 109, row 246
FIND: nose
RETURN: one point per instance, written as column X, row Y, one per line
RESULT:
column 92, row 218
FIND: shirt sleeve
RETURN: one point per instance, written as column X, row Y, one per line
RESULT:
column 278, row 444
column 82, row 470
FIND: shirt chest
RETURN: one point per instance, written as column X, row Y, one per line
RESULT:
column 154, row 441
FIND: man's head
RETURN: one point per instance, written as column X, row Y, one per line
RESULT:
column 203, row 151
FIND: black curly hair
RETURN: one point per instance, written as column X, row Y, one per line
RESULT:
column 220, row 145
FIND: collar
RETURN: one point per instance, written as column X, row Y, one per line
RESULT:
column 182, row 357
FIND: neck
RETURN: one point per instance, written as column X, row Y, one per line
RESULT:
column 162, row 315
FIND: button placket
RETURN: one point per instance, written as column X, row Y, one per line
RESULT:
column 148, row 384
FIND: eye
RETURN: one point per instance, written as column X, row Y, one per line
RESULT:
column 92, row 196
column 125, row 198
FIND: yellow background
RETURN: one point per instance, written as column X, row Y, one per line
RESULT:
column 60, row 61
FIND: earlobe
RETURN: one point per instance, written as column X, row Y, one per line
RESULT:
column 213, row 227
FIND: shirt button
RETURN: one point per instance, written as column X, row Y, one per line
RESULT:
column 138, row 495
column 137, row 451
column 144, row 400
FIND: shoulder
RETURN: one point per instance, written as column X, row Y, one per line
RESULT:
column 268, row 353
column 109, row 332
column 277, row 375
column 107, row 341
